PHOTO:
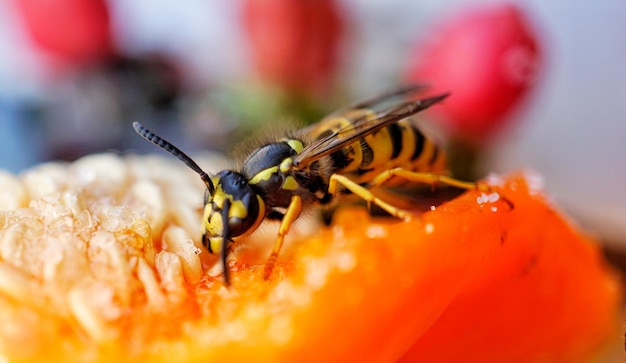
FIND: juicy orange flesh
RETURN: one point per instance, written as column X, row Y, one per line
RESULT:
column 480, row 278
column 471, row 281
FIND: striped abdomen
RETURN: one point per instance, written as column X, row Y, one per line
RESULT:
column 400, row 144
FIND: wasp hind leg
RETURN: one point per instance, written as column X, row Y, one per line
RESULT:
column 365, row 194
column 292, row 213
column 426, row 178
column 434, row 180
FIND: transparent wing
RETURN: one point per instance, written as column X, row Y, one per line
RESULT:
column 364, row 125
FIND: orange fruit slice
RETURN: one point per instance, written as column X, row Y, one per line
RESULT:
column 110, row 273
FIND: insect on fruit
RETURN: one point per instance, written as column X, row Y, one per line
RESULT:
column 351, row 151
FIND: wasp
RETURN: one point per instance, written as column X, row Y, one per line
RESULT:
column 351, row 151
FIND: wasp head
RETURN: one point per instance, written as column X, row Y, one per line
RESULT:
column 231, row 210
column 231, row 207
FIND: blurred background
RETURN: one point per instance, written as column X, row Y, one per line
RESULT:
column 537, row 85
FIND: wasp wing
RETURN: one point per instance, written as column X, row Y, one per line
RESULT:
column 370, row 103
column 382, row 97
column 364, row 125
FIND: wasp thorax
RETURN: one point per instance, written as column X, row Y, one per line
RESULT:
column 233, row 199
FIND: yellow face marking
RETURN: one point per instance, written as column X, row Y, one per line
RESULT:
column 263, row 175
column 290, row 183
column 216, row 245
column 214, row 228
column 212, row 221
column 218, row 196
column 214, row 225
column 237, row 208
column 216, row 180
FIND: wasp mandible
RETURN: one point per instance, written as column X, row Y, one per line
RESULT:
column 351, row 151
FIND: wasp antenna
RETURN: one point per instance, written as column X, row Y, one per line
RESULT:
column 225, row 232
column 167, row 146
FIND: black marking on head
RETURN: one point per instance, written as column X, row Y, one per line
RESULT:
column 233, row 183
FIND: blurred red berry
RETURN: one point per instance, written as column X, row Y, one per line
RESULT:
column 487, row 58
column 73, row 31
column 294, row 43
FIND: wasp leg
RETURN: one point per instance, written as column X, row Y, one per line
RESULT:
column 426, row 178
column 292, row 213
column 367, row 195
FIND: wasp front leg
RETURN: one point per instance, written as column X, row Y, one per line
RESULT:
column 426, row 178
column 292, row 213
column 364, row 193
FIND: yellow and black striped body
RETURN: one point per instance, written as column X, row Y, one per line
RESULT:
column 398, row 145
column 271, row 172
